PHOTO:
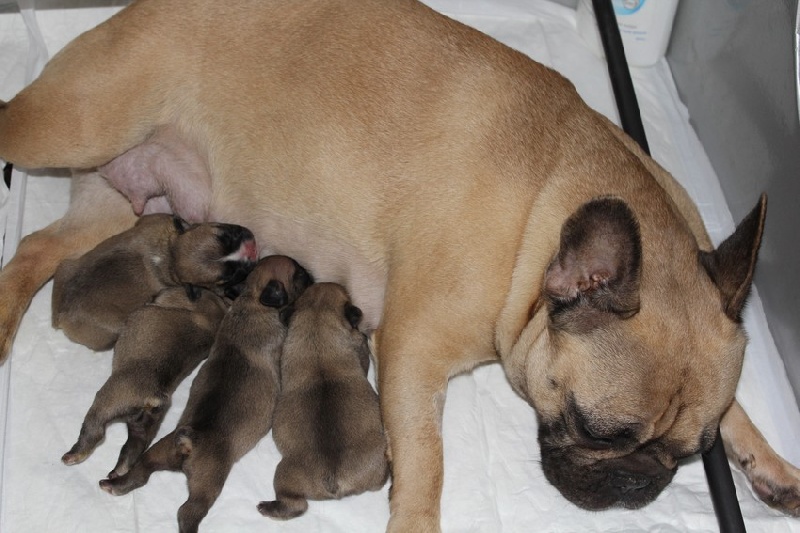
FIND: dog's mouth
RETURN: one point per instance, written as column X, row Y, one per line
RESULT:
column 631, row 481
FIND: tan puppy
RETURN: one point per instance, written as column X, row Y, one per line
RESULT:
column 232, row 399
column 94, row 294
column 359, row 137
column 161, row 343
column 327, row 422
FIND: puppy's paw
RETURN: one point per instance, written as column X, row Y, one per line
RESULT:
column 114, row 486
column 120, row 485
column 73, row 457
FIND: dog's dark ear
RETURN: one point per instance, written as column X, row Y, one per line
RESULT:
column 180, row 225
column 274, row 294
column 192, row 292
column 353, row 314
column 595, row 275
column 285, row 314
column 732, row 264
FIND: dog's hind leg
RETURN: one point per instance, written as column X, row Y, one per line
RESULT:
column 103, row 94
column 163, row 455
column 205, row 474
column 112, row 402
column 290, row 502
column 142, row 429
column 774, row 480
column 96, row 212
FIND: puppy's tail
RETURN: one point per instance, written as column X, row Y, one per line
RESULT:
column 331, row 484
column 184, row 440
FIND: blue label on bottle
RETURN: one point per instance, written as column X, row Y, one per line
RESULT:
column 627, row 7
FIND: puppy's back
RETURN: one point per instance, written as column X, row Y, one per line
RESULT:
column 328, row 421
column 92, row 294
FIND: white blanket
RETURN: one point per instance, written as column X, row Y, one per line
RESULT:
column 493, row 479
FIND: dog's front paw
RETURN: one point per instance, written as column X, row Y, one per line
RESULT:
column 9, row 323
column 778, row 485
column 418, row 523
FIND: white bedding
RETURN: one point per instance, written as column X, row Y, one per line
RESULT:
column 493, row 480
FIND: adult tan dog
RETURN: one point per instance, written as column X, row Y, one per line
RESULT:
column 474, row 207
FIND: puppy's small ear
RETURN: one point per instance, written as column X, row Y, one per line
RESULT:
column 353, row 314
column 274, row 294
column 192, row 292
column 595, row 275
column 285, row 314
column 180, row 225
column 732, row 264
column 302, row 279
column 232, row 292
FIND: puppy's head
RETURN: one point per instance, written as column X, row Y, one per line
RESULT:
column 325, row 311
column 637, row 352
column 211, row 254
column 276, row 281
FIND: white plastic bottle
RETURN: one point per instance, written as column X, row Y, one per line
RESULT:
column 644, row 25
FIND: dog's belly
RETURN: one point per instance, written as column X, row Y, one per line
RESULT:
column 162, row 175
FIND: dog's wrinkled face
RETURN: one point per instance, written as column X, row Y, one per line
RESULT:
column 211, row 254
column 634, row 365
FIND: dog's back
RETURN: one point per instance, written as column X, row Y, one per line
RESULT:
column 327, row 422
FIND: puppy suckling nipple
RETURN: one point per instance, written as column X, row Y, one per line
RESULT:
column 248, row 251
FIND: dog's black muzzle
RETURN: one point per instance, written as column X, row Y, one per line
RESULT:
column 631, row 481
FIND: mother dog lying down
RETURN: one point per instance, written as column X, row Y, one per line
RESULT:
column 474, row 207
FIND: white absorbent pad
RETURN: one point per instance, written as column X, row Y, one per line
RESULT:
column 493, row 478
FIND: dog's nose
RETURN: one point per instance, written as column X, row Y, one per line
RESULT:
column 626, row 482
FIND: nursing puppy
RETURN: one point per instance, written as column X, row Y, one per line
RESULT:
column 327, row 422
column 475, row 208
column 232, row 398
column 161, row 343
column 94, row 294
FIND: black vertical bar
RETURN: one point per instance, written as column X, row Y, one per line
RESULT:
column 621, row 82
column 723, row 491
column 7, row 174
column 715, row 463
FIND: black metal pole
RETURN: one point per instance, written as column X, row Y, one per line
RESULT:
column 7, row 174
column 718, row 471
column 723, row 491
